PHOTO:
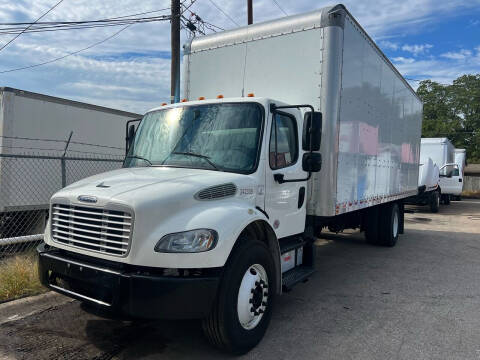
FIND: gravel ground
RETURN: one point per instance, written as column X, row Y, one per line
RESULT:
column 419, row 300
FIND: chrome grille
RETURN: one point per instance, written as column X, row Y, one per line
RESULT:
column 95, row 229
column 217, row 192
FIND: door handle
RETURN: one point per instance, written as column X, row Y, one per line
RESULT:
column 279, row 178
column 460, row 180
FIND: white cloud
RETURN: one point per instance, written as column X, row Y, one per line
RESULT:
column 417, row 48
column 459, row 55
column 121, row 73
column 385, row 44
column 437, row 70
column 403, row 60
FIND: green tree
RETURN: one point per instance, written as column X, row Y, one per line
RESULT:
column 453, row 111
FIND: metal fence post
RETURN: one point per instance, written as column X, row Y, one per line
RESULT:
column 63, row 162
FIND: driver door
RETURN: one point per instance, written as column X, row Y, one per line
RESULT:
column 285, row 203
column 450, row 179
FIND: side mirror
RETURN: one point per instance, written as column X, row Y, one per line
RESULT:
column 130, row 137
column 312, row 129
column 312, row 162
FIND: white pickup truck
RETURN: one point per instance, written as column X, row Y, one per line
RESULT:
column 222, row 195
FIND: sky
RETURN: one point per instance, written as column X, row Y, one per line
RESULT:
column 425, row 39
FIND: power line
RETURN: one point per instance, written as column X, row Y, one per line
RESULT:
column 281, row 9
column 67, row 55
column 14, row 38
column 224, row 13
column 75, row 25
column 59, row 22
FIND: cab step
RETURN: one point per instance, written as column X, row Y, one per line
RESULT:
column 291, row 243
column 296, row 275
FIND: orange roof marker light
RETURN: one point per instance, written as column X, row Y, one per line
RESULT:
column 183, row 100
column 163, row 104
column 201, row 98
column 220, row 96
column 251, row 95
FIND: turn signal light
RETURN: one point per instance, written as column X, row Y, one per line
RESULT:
column 183, row 100
column 220, row 96
column 201, row 98
column 163, row 104
column 251, row 95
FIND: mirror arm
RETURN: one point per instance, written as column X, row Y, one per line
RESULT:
column 280, row 177
column 127, row 137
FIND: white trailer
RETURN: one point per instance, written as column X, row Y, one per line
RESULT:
column 461, row 159
column 34, row 131
column 442, row 152
column 223, row 194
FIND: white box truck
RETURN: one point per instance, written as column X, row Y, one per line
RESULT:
column 222, row 194
column 428, row 186
column 442, row 152
column 461, row 161
column 34, row 131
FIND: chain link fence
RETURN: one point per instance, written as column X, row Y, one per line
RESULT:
column 27, row 181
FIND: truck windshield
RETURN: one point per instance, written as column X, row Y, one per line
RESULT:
column 222, row 137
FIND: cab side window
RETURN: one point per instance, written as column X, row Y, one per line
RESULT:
column 283, row 141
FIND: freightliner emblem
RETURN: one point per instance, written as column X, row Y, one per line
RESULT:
column 87, row 198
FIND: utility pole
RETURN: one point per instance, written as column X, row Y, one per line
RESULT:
column 250, row 11
column 175, row 46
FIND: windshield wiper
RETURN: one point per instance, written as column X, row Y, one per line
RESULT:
column 139, row 157
column 207, row 158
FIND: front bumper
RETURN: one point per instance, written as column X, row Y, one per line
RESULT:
column 133, row 291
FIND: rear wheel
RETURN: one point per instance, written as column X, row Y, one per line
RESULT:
column 435, row 202
column 243, row 307
column 446, row 199
column 389, row 225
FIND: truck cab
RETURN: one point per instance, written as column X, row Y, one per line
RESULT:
column 207, row 189
column 451, row 180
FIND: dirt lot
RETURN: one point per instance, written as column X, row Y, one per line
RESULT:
column 419, row 300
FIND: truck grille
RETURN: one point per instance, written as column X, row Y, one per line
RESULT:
column 100, row 230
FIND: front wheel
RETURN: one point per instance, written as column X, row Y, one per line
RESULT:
column 243, row 307
column 435, row 202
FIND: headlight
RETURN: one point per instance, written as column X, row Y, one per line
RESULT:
column 188, row 241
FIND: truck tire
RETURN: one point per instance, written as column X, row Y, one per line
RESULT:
column 435, row 202
column 389, row 225
column 244, row 303
column 372, row 226
column 446, row 199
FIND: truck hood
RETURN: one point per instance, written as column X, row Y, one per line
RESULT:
column 127, row 184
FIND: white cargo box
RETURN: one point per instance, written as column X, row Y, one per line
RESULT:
column 39, row 125
column 440, row 150
column 371, row 116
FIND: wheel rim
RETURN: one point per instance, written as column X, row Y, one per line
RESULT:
column 395, row 224
column 252, row 296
